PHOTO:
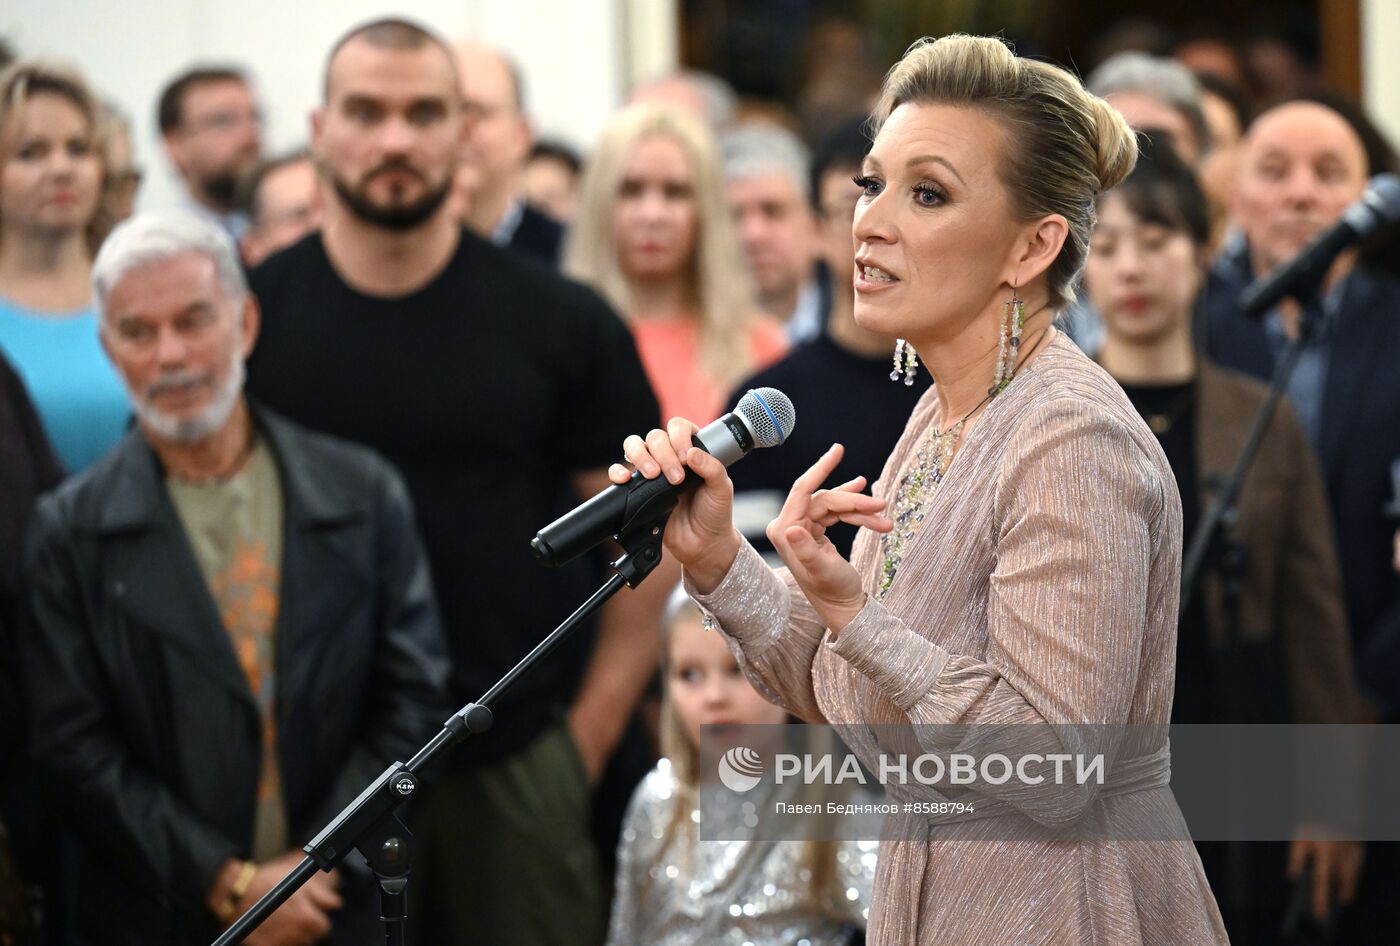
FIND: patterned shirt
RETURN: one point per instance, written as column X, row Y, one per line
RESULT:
column 235, row 530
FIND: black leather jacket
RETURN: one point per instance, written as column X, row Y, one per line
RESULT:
column 144, row 729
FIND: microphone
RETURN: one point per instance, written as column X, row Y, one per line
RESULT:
column 763, row 418
column 1379, row 205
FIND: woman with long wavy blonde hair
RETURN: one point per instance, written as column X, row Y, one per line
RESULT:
column 653, row 234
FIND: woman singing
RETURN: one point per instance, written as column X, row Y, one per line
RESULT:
column 1020, row 556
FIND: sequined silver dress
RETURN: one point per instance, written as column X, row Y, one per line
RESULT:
column 675, row 891
column 1041, row 589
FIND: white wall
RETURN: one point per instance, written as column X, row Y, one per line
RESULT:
column 1380, row 66
column 578, row 57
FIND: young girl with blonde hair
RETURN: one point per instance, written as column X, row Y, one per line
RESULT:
column 674, row 888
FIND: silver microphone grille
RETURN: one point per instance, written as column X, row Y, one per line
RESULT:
column 768, row 414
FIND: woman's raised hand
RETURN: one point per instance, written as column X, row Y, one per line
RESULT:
column 700, row 533
column 831, row 585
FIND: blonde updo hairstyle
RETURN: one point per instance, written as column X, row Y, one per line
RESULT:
column 1063, row 147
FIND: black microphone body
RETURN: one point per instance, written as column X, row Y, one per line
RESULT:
column 1380, row 204
column 644, row 502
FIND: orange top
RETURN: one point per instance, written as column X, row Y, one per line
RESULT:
column 670, row 351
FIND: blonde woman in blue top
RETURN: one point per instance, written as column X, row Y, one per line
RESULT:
column 53, row 172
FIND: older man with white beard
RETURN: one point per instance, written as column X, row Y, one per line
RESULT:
column 231, row 629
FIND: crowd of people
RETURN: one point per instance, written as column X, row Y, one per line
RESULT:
column 270, row 463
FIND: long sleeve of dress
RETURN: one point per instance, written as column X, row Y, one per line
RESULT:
column 772, row 629
column 1075, row 506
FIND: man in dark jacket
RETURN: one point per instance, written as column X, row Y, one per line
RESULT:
column 28, row 467
column 1303, row 163
column 490, row 184
column 229, row 627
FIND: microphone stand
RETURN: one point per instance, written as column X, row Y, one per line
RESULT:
column 370, row 824
column 1223, row 512
column 1211, row 542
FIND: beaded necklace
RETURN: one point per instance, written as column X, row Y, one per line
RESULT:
column 930, row 466
column 916, row 489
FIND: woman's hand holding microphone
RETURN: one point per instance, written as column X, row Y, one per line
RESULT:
column 701, row 532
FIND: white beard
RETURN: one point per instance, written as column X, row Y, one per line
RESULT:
column 187, row 430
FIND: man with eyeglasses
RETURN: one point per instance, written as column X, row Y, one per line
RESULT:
column 212, row 130
column 489, row 186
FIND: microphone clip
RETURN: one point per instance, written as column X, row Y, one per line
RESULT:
column 642, row 548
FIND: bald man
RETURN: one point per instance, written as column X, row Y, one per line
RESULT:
column 1301, row 165
column 489, row 188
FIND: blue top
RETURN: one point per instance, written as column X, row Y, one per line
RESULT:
column 80, row 398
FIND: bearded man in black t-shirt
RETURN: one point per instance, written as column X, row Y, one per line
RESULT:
column 501, row 391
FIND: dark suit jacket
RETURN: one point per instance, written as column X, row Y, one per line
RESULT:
column 1359, row 440
column 1291, row 622
column 144, row 728
column 538, row 235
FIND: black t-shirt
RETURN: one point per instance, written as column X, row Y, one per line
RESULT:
column 839, row 397
column 1170, row 410
column 487, row 388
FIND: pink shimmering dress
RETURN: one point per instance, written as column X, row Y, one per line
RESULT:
column 1041, row 588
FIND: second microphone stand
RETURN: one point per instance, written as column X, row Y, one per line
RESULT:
column 1223, row 511
column 1212, row 544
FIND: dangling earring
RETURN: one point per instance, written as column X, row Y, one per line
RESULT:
column 1013, row 319
column 906, row 362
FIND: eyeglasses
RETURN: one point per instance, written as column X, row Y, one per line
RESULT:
column 224, row 122
column 125, row 177
column 480, row 111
